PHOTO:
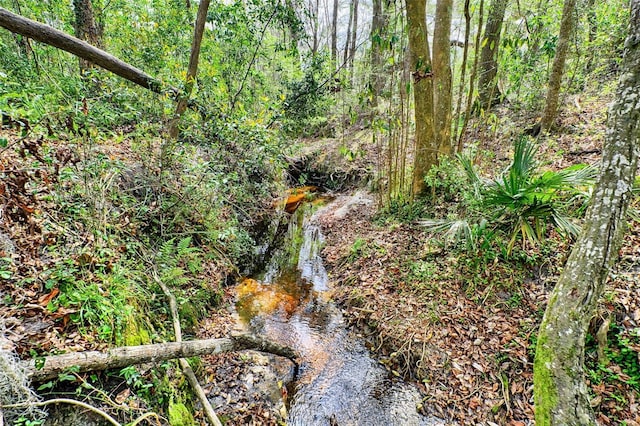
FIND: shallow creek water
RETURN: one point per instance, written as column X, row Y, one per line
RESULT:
column 338, row 382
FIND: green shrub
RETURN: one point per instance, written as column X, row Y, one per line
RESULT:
column 522, row 202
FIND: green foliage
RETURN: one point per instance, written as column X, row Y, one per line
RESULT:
column 521, row 201
column 622, row 350
column 357, row 249
column 401, row 209
column 306, row 98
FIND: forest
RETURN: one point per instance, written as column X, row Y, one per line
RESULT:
column 306, row 212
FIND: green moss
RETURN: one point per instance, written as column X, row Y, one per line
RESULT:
column 544, row 391
column 134, row 333
column 179, row 415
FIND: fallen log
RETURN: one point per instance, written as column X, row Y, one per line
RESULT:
column 46, row 34
column 52, row 366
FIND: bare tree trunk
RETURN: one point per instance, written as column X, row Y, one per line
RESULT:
column 86, row 28
column 463, row 69
column 425, row 153
column 561, row 395
column 45, row 34
column 442, row 76
column 488, row 92
column 557, row 70
column 347, row 43
column 334, row 35
column 354, row 34
column 315, row 10
column 472, row 78
column 378, row 25
column 192, row 69
column 592, row 19
column 129, row 355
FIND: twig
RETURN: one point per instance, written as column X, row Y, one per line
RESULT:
column 253, row 59
column 66, row 401
column 184, row 364
column 144, row 417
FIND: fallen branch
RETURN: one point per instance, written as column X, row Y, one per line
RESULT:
column 48, row 35
column 84, row 405
column 68, row 401
column 129, row 355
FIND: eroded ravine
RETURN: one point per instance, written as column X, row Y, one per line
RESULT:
column 338, row 382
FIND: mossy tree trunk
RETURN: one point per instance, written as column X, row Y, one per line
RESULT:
column 561, row 395
column 488, row 93
column 86, row 28
column 425, row 147
column 557, row 69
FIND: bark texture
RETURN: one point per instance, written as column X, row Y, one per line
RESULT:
column 426, row 149
column 129, row 355
column 334, row 34
column 557, row 70
column 561, row 395
column 86, row 28
column 45, row 34
column 488, row 93
column 442, row 90
column 354, row 34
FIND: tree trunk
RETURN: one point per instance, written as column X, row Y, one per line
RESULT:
column 557, row 70
column 592, row 20
column 378, row 26
column 354, row 33
column 128, row 355
column 442, row 76
column 45, row 34
column 315, row 11
column 463, row 70
column 561, row 395
column 472, row 78
column 488, row 92
column 334, row 35
column 425, row 153
column 347, row 43
column 192, row 70
column 86, row 28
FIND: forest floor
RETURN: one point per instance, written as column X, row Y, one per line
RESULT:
column 465, row 336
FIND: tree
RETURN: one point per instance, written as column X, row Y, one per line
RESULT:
column 378, row 27
column 557, row 70
column 442, row 76
column 347, row 43
column 192, row 69
column 86, row 28
column 426, row 149
column 334, row 34
column 561, row 395
column 45, row 34
column 488, row 92
column 354, row 33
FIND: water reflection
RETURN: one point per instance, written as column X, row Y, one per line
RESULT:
column 338, row 382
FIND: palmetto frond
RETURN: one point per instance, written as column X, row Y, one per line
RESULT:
column 522, row 201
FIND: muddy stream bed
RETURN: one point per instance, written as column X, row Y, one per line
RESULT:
column 338, row 382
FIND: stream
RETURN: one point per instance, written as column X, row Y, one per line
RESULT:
column 338, row 381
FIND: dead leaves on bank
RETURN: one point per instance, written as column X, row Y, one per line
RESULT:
column 470, row 351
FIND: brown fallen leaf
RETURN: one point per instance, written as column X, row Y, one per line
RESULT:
column 45, row 299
